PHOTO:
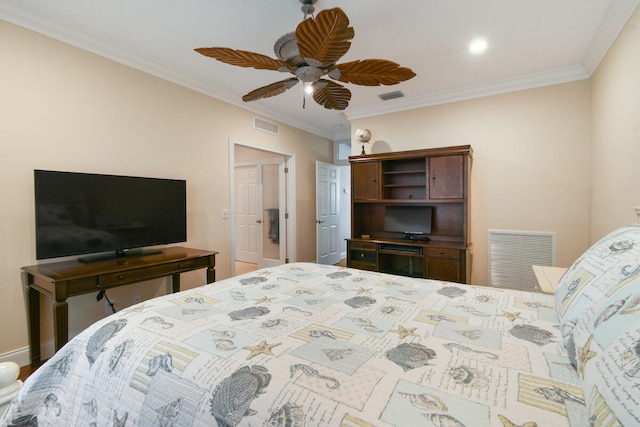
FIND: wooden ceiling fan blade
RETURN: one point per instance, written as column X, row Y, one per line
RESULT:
column 270, row 90
column 243, row 58
column 325, row 39
column 371, row 72
column 331, row 95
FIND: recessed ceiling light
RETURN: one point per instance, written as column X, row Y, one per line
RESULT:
column 478, row 46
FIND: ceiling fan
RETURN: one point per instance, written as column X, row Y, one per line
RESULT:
column 310, row 53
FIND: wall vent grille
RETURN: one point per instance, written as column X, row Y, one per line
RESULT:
column 391, row 95
column 511, row 254
column 265, row 126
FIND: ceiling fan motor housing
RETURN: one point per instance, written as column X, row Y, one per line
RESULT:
column 286, row 49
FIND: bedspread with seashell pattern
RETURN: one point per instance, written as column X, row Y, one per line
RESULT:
column 311, row 345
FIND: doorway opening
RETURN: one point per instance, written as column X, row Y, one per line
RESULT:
column 262, row 207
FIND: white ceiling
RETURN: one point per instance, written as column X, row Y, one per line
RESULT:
column 531, row 44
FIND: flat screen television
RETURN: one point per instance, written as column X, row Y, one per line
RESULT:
column 411, row 220
column 83, row 213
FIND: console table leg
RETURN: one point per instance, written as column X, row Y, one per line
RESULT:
column 175, row 283
column 34, row 326
column 60, row 323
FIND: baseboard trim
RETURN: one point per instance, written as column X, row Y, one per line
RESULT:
column 21, row 355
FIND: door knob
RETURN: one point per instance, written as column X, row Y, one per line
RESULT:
column 259, row 221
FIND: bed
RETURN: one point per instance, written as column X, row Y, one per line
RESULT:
column 311, row 345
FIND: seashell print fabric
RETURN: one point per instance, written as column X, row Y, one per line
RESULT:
column 610, row 263
column 607, row 349
column 312, row 345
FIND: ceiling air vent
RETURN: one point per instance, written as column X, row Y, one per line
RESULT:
column 391, row 95
column 265, row 126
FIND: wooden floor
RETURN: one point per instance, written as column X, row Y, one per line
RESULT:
column 25, row 371
column 245, row 267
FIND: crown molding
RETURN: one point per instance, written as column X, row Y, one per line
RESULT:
column 94, row 44
column 613, row 22
column 531, row 81
column 617, row 15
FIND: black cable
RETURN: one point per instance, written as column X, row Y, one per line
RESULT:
column 103, row 294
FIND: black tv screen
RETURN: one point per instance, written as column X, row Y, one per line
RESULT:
column 82, row 213
column 408, row 219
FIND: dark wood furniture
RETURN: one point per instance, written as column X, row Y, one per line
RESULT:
column 436, row 177
column 61, row 280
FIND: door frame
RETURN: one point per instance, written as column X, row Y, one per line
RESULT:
column 289, row 190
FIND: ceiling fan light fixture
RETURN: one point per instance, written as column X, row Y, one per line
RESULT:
column 308, row 89
column 309, row 74
column 310, row 53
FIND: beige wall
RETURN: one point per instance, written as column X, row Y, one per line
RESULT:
column 615, row 154
column 65, row 109
column 530, row 163
column 562, row 158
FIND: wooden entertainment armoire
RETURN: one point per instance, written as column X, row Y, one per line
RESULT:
column 435, row 177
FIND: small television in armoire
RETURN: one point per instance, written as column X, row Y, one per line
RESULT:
column 87, row 213
column 411, row 221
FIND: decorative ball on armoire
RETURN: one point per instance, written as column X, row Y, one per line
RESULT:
column 363, row 136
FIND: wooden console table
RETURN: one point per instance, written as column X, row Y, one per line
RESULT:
column 61, row 280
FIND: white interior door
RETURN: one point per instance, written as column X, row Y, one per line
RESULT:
column 270, row 212
column 247, row 237
column 327, row 213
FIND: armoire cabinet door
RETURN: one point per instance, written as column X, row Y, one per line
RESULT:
column 446, row 179
column 444, row 269
column 365, row 181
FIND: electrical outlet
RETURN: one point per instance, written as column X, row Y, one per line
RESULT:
column 136, row 298
column 107, row 307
